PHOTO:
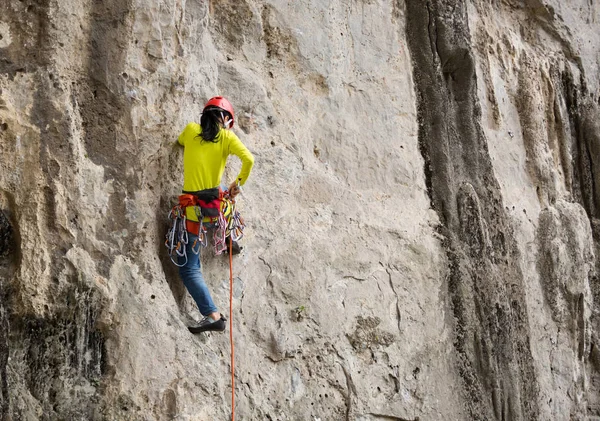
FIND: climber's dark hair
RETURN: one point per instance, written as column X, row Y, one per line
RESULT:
column 209, row 121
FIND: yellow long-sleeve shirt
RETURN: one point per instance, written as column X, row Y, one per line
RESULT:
column 204, row 162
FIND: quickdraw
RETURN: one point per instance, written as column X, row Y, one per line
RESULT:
column 177, row 236
column 220, row 235
column 214, row 216
column 236, row 226
column 232, row 226
column 202, row 239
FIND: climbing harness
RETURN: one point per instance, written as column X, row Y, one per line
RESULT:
column 215, row 209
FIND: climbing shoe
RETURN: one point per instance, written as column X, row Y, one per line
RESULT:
column 235, row 247
column 207, row 324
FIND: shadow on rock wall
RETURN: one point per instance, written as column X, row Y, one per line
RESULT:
column 7, row 254
column 486, row 284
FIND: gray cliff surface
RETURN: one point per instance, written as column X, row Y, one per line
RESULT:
column 423, row 218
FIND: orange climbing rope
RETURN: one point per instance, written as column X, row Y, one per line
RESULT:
column 231, row 326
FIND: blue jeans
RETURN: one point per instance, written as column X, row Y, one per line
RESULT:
column 194, row 281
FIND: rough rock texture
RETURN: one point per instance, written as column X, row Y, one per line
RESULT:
column 423, row 233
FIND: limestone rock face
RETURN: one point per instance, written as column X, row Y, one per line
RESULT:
column 423, row 218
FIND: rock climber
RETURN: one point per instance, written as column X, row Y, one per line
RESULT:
column 206, row 148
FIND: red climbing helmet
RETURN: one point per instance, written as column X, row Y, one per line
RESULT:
column 222, row 103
